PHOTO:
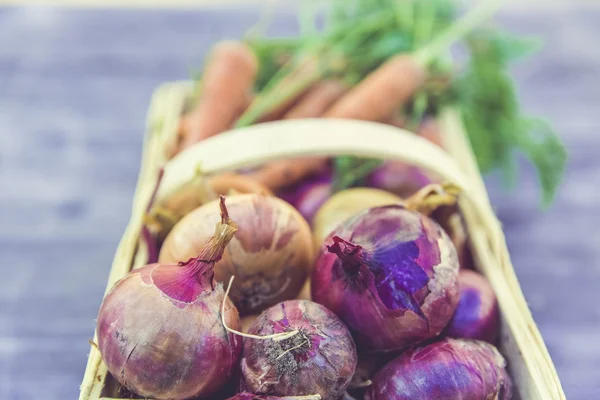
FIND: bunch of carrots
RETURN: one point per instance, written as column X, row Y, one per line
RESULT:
column 227, row 92
column 376, row 60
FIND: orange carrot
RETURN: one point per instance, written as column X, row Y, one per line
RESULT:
column 382, row 91
column 318, row 99
column 313, row 104
column 279, row 174
column 378, row 96
column 226, row 84
column 283, row 94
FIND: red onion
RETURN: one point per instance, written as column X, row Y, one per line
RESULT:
column 451, row 369
column 271, row 254
column 477, row 315
column 160, row 329
column 309, row 194
column 319, row 359
column 390, row 274
column 250, row 396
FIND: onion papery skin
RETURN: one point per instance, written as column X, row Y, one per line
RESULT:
column 271, row 254
column 451, row 369
column 395, row 280
column 162, row 347
column 399, row 178
column 323, row 361
column 309, row 194
column 477, row 315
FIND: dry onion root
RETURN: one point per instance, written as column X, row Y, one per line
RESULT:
column 271, row 254
column 319, row 359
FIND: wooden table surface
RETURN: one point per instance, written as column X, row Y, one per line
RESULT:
column 74, row 89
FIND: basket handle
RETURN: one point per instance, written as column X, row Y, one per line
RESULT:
column 257, row 144
column 254, row 145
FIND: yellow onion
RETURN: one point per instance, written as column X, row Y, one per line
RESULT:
column 346, row 204
column 270, row 255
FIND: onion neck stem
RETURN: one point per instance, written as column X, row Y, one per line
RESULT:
column 433, row 196
column 350, row 254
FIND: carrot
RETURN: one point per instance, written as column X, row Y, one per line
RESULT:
column 282, row 173
column 226, row 85
column 279, row 174
column 318, row 99
column 382, row 91
column 281, row 94
column 378, row 96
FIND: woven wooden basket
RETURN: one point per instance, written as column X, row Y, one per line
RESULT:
column 521, row 343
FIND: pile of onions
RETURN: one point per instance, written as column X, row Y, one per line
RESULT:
column 271, row 254
column 391, row 274
column 451, row 369
column 160, row 328
column 319, row 359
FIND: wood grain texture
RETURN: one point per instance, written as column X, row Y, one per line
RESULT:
column 74, row 90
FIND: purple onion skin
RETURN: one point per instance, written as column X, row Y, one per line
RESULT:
column 451, row 369
column 477, row 315
column 399, row 178
column 310, row 194
column 391, row 275
column 323, row 362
